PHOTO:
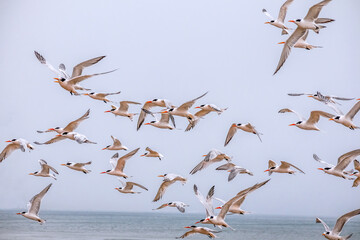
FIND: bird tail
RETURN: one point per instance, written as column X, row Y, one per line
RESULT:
column 319, row 27
column 222, row 110
column 349, row 236
column 88, row 141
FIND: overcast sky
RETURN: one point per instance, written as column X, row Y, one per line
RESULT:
column 177, row 50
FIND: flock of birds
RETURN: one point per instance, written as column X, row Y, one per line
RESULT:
column 167, row 121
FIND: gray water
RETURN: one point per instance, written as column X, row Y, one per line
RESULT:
column 109, row 226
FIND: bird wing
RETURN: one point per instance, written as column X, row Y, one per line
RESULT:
column 352, row 154
column 271, row 164
column 298, row 94
column 357, row 165
column 34, row 204
column 81, row 164
column 53, row 140
column 203, row 164
column 239, row 202
column 121, row 162
column 353, row 111
column 129, row 185
column 116, row 141
column 207, row 203
column 144, row 111
column 124, row 184
column 124, row 105
column 74, row 124
column 267, row 14
column 164, row 118
column 290, row 42
column 202, row 113
column 321, row 161
column 113, row 160
column 342, row 98
column 180, row 207
column 315, row 116
column 77, row 79
column 252, row 128
column 77, row 70
column 150, row 150
column 283, row 10
column 287, row 165
column 162, row 190
column 327, row 229
column 42, row 60
column 46, row 167
column 343, row 219
column 233, row 173
column 189, row 104
column 226, row 166
column 325, row 20
column 284, row 110
column 230, row 134
column 162, row 206
column 8, row 150
column 187, row 234
column 62, row 69
column 314, row 11
column 305, row 35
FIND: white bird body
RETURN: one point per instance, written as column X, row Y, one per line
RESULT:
column 285, row 167
column 122, row 110
column 279, row 22
column 13, row 145
column 346, row 119
column 78, row 166
column 163, row 123
column 79, row 138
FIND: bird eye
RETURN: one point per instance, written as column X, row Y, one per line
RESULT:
column 170, row 203
column 154, row 100
column 165, row 174
column 272, row 21
column 298, row 20
column 57, row 127
column 152, row 122
column 239, row 124
column 299, row 122
column 68, row 163
column 337, row 117
column 202, row 105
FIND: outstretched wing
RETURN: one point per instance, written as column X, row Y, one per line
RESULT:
column 77, row 70
column 74, row 124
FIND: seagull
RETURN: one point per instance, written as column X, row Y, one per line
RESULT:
column 100, row 96
column 69, row 128
column 152, row 153
column 123, row 109
column 341, row 221
column 347, row 119
column 163, row 122
column 322, row 98
column 206, row 202
column 179, row 205
column 301, row 43
column 79, row 138
column 234, row 170
column 150, row 104
column 201, row 230
column 212, row 157
column 34, row 206
column 78, row 166
column 128, row 186
column 234, row 127
column 205, row 109
column 309, row 22
column 279, row 22
column 183, row 110
column 70, row 83
column 283, row 168
column 343, row 161
column 310, row 123
column 118, row 164
column 13, row 145
column 116, row 145
column 169, row 179
column 219, row 220
column 356, row 174
column 45, row 170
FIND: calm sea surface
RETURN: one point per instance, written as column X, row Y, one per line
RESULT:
column 104, row 225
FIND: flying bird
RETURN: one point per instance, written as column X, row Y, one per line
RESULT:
column 116, row 145
column 79, row 138
column 334, row 234
column 101, row 96
column 234, row 127
column 309, row 22
column 168, row 180
column 206, row 202
column 45, row 170
column 78, row 166
column 322, row 98
column 34, row 206
column 179, row 205
column 71, row 83
column 147, row 107
column 356, row 173
column 118, row 164
column 301, row 43
column 122, row 110
column 279, row 22
column 212, row 157
column 234, row 170
column 152, row 153
column 69, row 128
column 200, row 230
column 13, row 145
column 128, row 186
column 346, row 119
column 342, row 163
column 204, row 110
column 163, row 123
column 284, row 167
column 308, row 124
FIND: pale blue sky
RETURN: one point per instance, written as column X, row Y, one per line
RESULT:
column 177, row 50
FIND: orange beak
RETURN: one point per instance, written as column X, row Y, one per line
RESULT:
column 63, row 164
column 292, row 21
column 310, row 96
column 102, row 172
column 51, row 129
column 187, row 227
column 142, row 155
column 197, row 222
column 8, row 141
column 107, row 111
column 165, row 111
column 58, row 135
column 31, row 173
column 197, row 107
column 149, row 102
column 204, row 155
column 321, row 169
column 358, row 99
column 161, row 176
column 103, row 148
column 229, row 170
column 281, row 42
column 331, row 119
column 293, row 124
column 146, row 123
column 18, row 213
column 57, row 80
column 86, row 94
column 218, row 208
column 266, row 170
column 266, row 22
column 117, row 188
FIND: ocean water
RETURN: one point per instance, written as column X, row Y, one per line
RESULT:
column 111, row 226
